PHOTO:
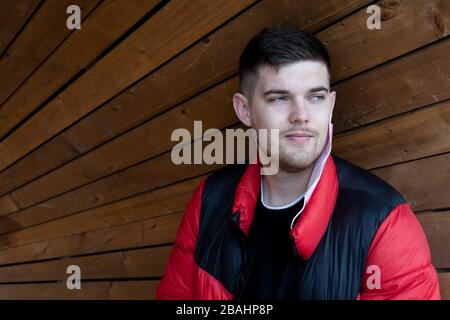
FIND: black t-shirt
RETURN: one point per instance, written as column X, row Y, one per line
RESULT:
column 277, row 267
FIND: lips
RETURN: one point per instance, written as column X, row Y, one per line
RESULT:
column 301, row 137
column 298, row 134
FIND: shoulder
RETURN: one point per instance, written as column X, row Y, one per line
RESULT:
column 224, row 180
column 400, row 250
column 361, row 183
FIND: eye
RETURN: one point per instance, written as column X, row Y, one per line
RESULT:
column 278, row 99
column 317, row 98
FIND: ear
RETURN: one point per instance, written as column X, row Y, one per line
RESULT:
column 241, row 107
column 333, row 100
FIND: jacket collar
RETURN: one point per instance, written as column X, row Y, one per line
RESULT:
column 313, row 221
column 320, row 199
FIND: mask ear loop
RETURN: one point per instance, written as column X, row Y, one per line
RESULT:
column 329, row 140
column 330, row 129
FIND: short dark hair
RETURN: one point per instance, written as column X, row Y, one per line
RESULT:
column 275, row 47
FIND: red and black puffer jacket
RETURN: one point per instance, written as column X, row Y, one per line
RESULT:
column 353, row 225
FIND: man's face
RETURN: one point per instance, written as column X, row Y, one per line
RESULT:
column 296, row 100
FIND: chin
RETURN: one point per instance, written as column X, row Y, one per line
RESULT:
column 291, row 164
column 297, row 160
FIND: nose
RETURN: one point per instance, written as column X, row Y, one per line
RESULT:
column 299, row 112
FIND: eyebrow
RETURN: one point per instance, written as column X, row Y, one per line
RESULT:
column 280, row 91
column 319, row 89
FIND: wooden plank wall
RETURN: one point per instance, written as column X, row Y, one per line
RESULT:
column 86, row 118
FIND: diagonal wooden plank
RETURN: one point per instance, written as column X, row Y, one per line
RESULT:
column 145, row 176
column 44, row 33
column 191, row 72
column 423, row 182
column 102, row 290
column 149, row 262
column 148, row 232
column 13, row 15
column 109, row 21
column 405, row 26
column 419, row 134
column 152, row 44
column 158, row 202
column 444, row 284
column 129, row 148
column 437, row 228
column 415, row 80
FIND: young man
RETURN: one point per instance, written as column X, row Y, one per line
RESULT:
column 321, row 228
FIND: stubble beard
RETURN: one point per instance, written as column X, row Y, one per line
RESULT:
column 294, row 158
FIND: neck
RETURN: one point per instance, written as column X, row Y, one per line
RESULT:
column 284, row 187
